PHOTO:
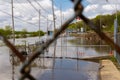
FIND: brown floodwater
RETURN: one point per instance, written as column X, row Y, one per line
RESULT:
column 60, row 68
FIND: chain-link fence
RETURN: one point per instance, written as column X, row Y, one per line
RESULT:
column 78, row 9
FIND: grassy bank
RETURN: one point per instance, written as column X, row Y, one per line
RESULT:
column 114, row 60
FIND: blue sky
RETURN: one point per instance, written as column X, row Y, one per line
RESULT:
column 25, row 14
column 68, row 4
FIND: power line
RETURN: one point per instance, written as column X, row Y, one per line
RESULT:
column 41, row 6
column 17, row 1
column 24, row 20
column 4, row 4
column 18, row 18
column 13, row 25
column 33, row 5
column 22, row 7
column 7, row 2
column 39, row 23
column 36, row 9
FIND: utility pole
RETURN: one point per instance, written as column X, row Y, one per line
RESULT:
column 61, row 25
column 39, row 23
column 47, row 30
column 53, row 15
column 13, row 28
column 115, row 32
column 13, row 33
column 55, row 40
column 61, row 12
column 47, row 26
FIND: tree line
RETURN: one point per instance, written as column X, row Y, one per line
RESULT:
column 104, row 22
column 7, row 32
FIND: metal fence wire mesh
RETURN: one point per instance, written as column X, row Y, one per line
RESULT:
column 78, row 9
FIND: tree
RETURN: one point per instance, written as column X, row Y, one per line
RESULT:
column 72, row 26
column 41, row 33
column 2, row 31
column 24, row 33
column 100, row 21
column 8, row 31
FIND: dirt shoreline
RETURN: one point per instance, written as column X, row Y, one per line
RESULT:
column 91, row 35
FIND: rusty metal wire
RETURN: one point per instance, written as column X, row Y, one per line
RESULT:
column 100, row 33
column 78, row 8
column 12, row 47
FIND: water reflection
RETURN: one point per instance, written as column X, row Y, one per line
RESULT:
column 90, row 47
column 67, row 69
column 85, row 41
column 59, row 68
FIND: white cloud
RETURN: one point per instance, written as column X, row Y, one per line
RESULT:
column 2, row 15
column 109, row 7
column 100, row 8
column 24, row 11
column 17, row 14
column 91, row 7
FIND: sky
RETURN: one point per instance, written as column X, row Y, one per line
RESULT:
column 26, row 12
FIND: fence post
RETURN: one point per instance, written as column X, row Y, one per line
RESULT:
column 116, row 40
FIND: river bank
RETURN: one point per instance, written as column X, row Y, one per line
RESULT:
column 91, row 35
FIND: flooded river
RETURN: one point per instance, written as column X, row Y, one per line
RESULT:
column 60, row 68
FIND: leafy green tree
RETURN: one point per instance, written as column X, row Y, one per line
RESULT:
column 106, row 21
column 33, row 34
column 72, row 26
column 2, row 31
column 8, row 31
column 24, row 33
column 41, row 33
